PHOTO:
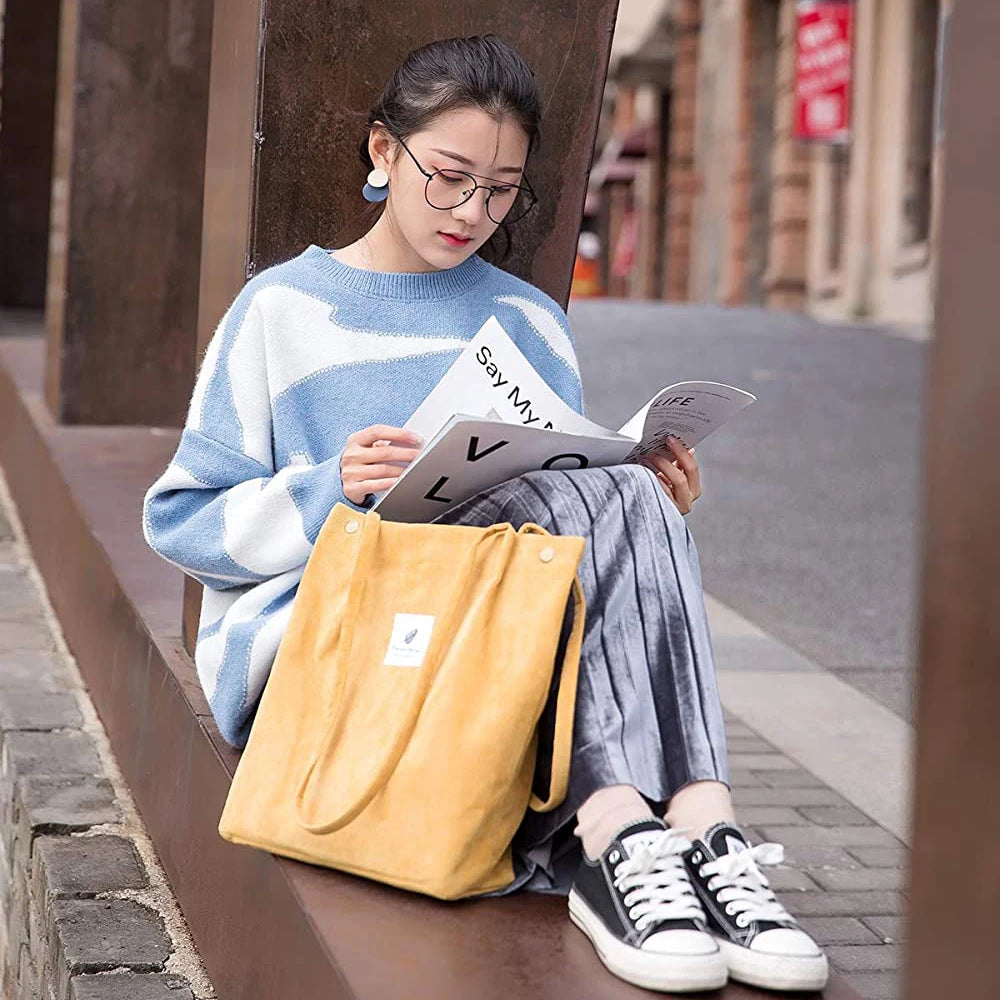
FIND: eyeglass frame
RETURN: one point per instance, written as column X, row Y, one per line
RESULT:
column 526, row 187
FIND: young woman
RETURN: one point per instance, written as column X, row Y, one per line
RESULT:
column 299, row 404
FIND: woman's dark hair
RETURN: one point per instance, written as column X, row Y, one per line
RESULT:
column 481, row 71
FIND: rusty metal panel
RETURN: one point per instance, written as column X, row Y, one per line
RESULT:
column 124, row 262
column 325, row 65
column 955, row 870
column 229, row 159
column 282, row 165
column 28, row 98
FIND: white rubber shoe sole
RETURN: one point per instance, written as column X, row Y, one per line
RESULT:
column 776, row 972
column 674, row 973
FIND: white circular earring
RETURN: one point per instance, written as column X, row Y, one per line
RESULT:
column 377, row 186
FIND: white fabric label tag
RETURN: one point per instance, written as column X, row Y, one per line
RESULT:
column 643, row 839
column 734, row 846
column 411, row 636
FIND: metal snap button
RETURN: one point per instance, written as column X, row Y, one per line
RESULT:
column 351, row 527
column 547, row 554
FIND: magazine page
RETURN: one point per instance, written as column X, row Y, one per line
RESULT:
column 492, row 374
column 469, row 455
column 688, row 410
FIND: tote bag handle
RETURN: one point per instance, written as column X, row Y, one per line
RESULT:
column 562, row 739
column 435, row 653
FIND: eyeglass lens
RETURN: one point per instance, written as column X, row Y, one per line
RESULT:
column 451, row 188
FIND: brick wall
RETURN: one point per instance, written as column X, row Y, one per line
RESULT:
column 734, row 270
column 785, row 278
column 681, row 181
column 764, row 214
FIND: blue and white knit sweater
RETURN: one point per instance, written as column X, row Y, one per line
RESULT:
column 310, row 351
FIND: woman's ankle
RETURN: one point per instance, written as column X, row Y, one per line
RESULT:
column 605, row 813
column 698, row 806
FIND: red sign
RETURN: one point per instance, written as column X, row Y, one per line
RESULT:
column 823, row 70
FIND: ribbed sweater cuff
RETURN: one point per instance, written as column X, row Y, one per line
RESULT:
column 318, row 493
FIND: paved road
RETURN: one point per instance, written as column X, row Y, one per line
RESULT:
column 809, row 521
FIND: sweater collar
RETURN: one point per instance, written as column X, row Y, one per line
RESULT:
column 407, row 285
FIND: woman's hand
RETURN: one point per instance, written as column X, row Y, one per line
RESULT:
column 678, row 476
column 371, row 462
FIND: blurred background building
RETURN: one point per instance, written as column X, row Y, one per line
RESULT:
column 779, row 153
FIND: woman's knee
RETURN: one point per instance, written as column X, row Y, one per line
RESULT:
column 597, row 482
column 638, row 486
column 648, row 489
column 588, row 493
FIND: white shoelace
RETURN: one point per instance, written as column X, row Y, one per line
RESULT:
column 746, row 892
column 657, row 883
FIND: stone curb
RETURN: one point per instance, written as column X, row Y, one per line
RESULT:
column 85, row 909
column 62, row 879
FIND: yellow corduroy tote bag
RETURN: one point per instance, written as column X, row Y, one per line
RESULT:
column 396, row 735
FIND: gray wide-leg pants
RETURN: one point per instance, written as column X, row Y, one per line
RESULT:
column 647, row 708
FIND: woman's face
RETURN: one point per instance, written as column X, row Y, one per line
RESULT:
column 468, row 140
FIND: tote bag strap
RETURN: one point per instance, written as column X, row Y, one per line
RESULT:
column 345, row 657
column 562, row 740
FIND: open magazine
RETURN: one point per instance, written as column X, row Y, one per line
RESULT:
column 493, row 417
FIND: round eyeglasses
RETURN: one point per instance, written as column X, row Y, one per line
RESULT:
column 447, row 189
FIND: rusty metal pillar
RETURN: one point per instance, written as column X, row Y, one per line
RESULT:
column 955, row 887
column 286, row 112
column 128, row 179
column 28, row 96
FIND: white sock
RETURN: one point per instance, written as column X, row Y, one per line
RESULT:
column 698, row 806
column 605, row 813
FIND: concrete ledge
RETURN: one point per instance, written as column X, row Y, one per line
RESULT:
column 265, row 926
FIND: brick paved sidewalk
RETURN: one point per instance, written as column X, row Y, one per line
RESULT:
column 843, row 876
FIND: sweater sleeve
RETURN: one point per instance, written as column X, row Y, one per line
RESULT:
column 542, row 331
column 221, row 511
column 566, row 380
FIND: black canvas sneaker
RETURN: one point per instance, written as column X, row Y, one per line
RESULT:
column 760, row 940
column 637, row 906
